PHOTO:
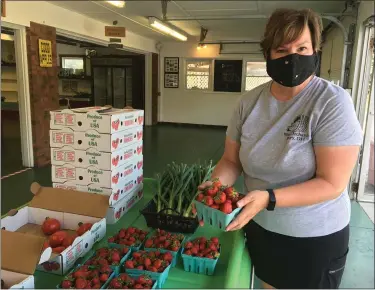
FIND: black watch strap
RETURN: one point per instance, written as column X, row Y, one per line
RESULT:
column 272, row 200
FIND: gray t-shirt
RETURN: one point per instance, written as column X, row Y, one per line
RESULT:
column 277, row 140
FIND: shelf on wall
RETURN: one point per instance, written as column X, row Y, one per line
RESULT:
column 9, row 65
column 9, row 80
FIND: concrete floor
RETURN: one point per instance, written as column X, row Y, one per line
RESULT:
column 166, row 143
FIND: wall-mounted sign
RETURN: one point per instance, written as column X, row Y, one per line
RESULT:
column 3, row 10
column 45, row 53
column 114, row 31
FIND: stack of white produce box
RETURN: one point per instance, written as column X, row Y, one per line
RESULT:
column 99, row 150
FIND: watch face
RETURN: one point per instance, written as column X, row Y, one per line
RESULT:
column 272, row 200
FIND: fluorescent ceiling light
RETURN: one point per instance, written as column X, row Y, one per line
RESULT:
column 119, row 4
column 165, row 28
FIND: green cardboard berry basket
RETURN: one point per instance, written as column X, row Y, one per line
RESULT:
column 199, row 265
column 104, row 286
column 154, row 286
column 159, row 277
column 174, row 253
column 214, row 217
column 115, row 268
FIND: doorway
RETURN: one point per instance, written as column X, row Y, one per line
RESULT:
column 366, row 117
column 16, row 135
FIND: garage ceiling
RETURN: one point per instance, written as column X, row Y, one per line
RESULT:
column 134, row 16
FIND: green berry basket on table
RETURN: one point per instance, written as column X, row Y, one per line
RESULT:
column 131, row 237
column 217, row 205
column 154, row 264
column 163, row 241
column 130, row 281
column 200, row 255
column 114, row 256
column 84, row 276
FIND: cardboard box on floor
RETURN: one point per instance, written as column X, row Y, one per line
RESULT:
column 115, row 195
column 102, row 119
column 70, row 208
column 20, row 255
column 93, row 157
column 93, row 139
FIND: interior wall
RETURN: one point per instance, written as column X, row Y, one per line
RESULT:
column 191, row 106
column 43, row 12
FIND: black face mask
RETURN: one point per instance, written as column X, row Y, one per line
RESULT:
column 293, row 69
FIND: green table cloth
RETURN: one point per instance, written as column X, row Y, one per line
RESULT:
column 232, row 270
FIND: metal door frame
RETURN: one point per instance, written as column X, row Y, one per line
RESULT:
column 364, row 79
column 22, row 70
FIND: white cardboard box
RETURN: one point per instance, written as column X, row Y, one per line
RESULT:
column 94, row 139
column 91, row 175
column 115, row 195
column 20, row 255
column 102, row 119
column 116, row 211
column 93, row 157
column 69, row 208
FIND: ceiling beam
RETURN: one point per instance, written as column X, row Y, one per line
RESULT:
column 237, row 17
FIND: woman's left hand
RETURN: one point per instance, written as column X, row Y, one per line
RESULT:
column 252, row 204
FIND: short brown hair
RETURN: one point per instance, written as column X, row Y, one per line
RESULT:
column 286, row 25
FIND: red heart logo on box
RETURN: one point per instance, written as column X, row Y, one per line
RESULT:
column 115, row 124
column 115, row 143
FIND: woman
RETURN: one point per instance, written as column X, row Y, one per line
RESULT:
column 296, row 139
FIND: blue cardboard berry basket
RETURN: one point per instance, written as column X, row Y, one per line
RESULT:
column 159, row 277
column 214, row 217
column 199, row 265
column 104, row 286
column 175, row 254
column 154, row 285
column 115, row 268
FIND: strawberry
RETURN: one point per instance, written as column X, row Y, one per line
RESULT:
column 103, row 278
column 216, row 183
column 226, row 208
column 215, row 206
column 152, row 269
column 200, row 197
column 188, row 252
column 66, row 284
column 208, row 200
column 80, row 283
column 140, row 267
column 211, row 191
column 148, row 243
column 157, row 263
column 147, row 262
column 115, row 284
column 188, row 245
column 138, row 286
column 220, row 198
column 129, row 264
column 215, row 240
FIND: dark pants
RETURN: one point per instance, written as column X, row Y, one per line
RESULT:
column 304, row 263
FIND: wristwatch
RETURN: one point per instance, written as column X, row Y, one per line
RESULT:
column 272, row 200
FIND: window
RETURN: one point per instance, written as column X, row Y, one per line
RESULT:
column 198, row 74
column 72, row 62
column 256, row 75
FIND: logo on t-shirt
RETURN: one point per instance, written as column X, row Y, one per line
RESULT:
column 299, row 129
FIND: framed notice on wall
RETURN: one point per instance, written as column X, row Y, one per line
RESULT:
column 45, row 53
column 171, row 81
column 228, row 75
column 171, row 72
